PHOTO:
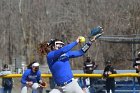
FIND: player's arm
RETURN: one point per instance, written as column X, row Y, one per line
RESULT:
column 114, row 71
column 24, row 77
column 105, row 74
column 95, row 34
column 57, row 53
column 88, row 44
column 39, row 79
column 67, row 48
column 82, row 51
column 77, row 53
column 73, row 54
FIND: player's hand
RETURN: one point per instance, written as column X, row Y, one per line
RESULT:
column 29, row 83
column 136, row 67
column 78, row 39
column 109, row 72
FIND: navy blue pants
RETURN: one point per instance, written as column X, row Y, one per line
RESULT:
column 7, row 90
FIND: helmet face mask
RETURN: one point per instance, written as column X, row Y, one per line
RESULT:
column 55, row 44
column 59, row 44
column 35, row 68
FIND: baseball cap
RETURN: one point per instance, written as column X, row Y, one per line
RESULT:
column 109, row 62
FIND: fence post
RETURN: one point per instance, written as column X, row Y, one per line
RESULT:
column 134, row 85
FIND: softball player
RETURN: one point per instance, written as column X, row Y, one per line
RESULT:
column 31, row 78
column 58, row 56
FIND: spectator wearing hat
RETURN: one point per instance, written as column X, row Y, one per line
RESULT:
column 136, row 65
column 31, row 78
column 110, row 82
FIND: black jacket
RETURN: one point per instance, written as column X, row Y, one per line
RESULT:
column 136, row 63
column 88, row 67
column 107, row 70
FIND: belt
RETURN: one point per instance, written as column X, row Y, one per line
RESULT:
column 65, row 83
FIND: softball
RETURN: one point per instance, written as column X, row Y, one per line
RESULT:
column 82, row 39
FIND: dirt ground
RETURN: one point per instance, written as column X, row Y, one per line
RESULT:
column 17, row 86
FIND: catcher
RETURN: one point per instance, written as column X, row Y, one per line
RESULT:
column 31, row 78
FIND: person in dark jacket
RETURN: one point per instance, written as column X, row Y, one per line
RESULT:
column 86, row 83
column 7, row 83
column 110, row 82
column 136, row 65
column 88, row 67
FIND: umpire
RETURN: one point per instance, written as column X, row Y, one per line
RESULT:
column 110, row 82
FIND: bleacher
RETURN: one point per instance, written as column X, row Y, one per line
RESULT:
column 123, row 85
column 127, row 87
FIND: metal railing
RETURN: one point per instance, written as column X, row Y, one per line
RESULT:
column 119, row 75
column 79, row 75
